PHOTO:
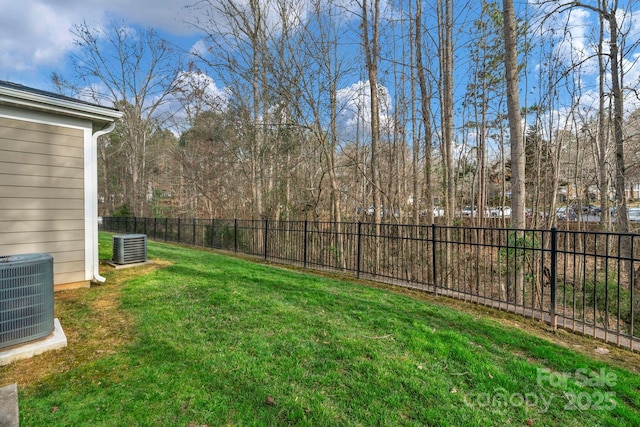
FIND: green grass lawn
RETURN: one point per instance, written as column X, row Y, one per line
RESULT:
column 215, row 340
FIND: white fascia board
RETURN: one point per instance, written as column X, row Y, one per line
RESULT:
column 58, row 105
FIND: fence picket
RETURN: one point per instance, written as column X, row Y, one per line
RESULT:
column 595, row 280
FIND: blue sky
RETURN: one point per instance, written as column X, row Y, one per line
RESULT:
column 35, row 37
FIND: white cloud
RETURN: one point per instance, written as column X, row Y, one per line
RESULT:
column 573, row 35
column 199, row 48
column 32, row 34
column 35, row 34
column 222, row 17
column 355, row 107
column 208, row 93
column 195, row 92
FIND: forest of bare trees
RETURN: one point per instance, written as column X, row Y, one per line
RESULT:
column 371, row 110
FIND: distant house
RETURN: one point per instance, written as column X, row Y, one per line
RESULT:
column 48, row 179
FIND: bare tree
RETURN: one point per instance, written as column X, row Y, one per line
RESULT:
column 135, row 71
column 518, row 197
column 236, row 35
column 425, row 112
column 602, row 140
column 445, row 56
column 608, row 13
column 370, row 42
column 317, row 68
column 209, row 166
column 484, row 89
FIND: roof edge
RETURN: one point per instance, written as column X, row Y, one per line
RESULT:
column 41, row 100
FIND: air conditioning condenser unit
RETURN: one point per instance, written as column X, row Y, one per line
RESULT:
column 129, row 248
column 26, row 298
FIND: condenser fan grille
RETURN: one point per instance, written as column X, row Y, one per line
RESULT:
column 26, row 298
column 129, row 248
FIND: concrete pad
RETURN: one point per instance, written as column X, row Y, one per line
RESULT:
column 135, row 264
column 54, row 341
column 9, row 416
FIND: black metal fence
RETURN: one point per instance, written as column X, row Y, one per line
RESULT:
column 582, row 281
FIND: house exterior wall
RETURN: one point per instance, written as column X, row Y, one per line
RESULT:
column 42, row 190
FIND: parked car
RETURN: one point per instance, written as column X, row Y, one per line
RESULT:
column 633, row 214
column 384, row 212
column 499, row 212
column 437, row 212
column 584, row 209
column 566, row 213
column 468, row 212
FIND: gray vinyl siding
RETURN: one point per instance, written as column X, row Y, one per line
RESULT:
column 42, row 194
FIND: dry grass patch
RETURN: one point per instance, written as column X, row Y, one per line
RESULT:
column 92, row 322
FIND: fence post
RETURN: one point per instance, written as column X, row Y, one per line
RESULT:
column 554, row 277
column 213, row 223
column 359, row 249
column 166, row 228
column 304, row 245
column 434, row 258
column 179, row 229
column 632, row 284
column 194, row 231
column 266, row 234
column 155, row 227
column 235, row 235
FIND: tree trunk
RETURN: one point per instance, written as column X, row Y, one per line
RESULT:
column 618, row 111
column 603, row 173
column 425, row 99
column 445, row 29
column 372, row 50
column 518, row 199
